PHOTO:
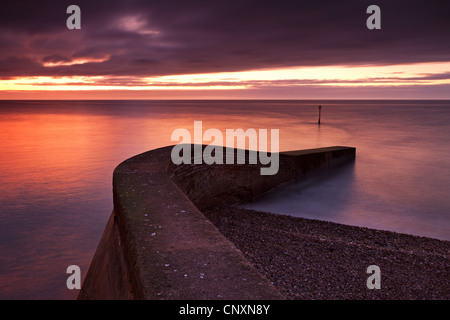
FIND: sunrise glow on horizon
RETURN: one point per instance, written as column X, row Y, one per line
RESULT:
column 418, row 74
column 148, row 51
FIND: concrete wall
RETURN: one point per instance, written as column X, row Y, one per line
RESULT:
column 157, row 243
column 210, row 185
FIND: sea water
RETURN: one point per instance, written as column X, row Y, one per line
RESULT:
column 57, row 159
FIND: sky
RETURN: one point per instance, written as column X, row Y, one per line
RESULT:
column 166, row 49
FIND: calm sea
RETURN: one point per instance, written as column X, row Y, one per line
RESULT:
column 57, row 159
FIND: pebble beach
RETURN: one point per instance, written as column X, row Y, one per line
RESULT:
column 319, row 260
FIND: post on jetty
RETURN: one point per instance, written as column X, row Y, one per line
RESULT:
column 320, row 110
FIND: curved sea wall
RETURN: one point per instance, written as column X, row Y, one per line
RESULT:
column 157, row 243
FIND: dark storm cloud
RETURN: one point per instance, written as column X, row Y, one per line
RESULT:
column 162, row 37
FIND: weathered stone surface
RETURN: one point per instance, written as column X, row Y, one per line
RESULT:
column 159, row 245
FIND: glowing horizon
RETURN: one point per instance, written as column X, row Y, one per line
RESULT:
column 418, row 74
